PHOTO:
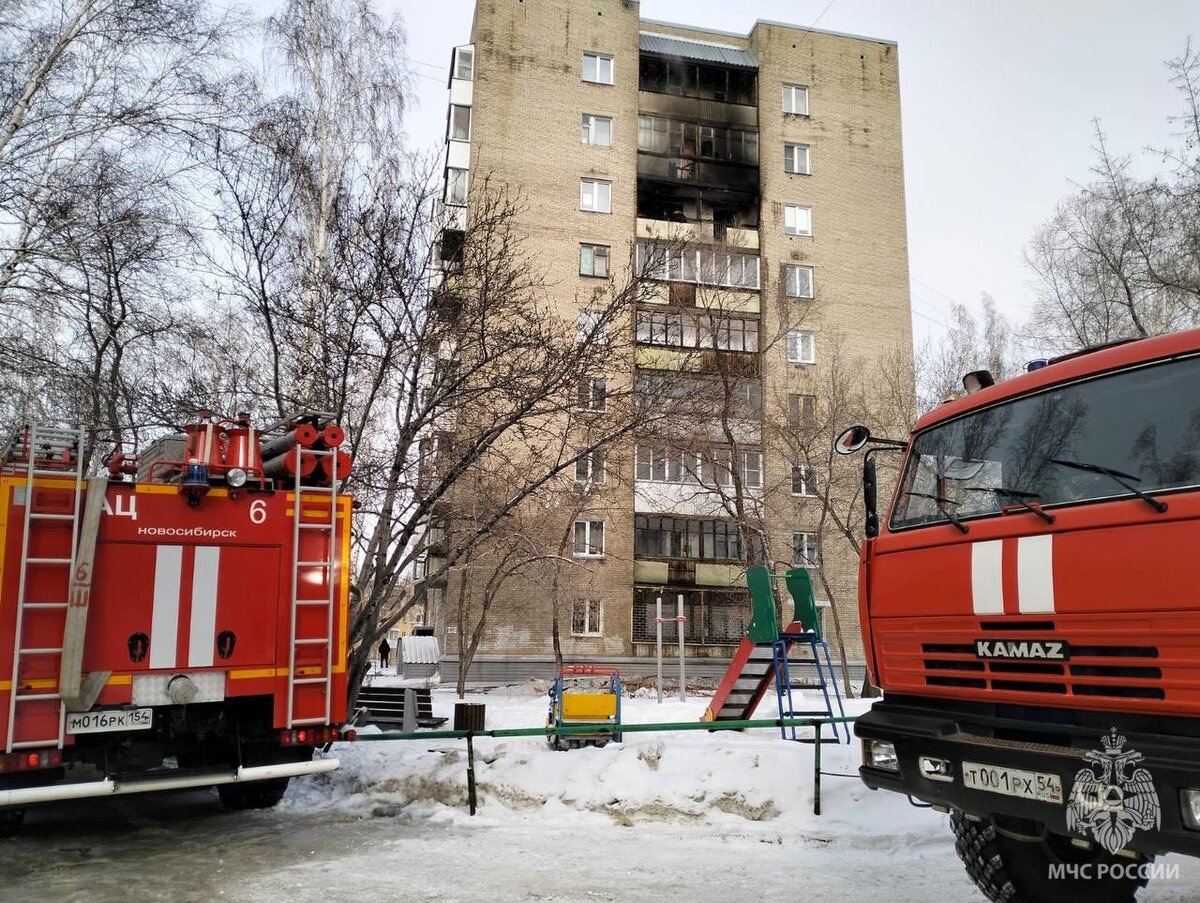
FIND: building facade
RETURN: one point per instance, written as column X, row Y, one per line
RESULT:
column 758, row 180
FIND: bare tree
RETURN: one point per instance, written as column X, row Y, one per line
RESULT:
column 967, row 345
column 84, row 78
column 878, row 393
column 108, row 278
column 1120, row 258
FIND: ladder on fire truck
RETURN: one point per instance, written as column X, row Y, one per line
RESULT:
column 308, row 573
column 42, row 452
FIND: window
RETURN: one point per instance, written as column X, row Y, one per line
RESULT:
column 663, row 465
column 595, row 196
column 677, row 537
column 806, row 550
column 586, row 617
column 460, row 123
column 707, row 266
column 737, row 335
column 716, row 469
column 660, row 327
column 751, row 469
column 797, row 220
column 795, row 158
column 593, row 393
column 795, row 100
column 801, row 347
column 799, row 282
column 598, row 68
column 456, row 187
column 590, row 468
column 464, row 63
column 593, row 260
column 804, row 479
column 589, row 538
column 747, row 398
column 802, row 411
column 597, row 130
column 591, row 326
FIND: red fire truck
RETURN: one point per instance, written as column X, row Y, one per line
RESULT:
column 179, row 621
column 1030, row 610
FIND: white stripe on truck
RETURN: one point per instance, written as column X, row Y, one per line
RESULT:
column 164, row 624
column 987, row 579
column 1035, row 574
column 204, row 607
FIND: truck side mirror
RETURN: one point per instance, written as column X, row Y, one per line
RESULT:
column 851, row 439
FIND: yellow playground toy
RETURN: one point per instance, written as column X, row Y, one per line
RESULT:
column 583, row 696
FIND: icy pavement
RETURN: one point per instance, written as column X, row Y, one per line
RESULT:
column 660, row 817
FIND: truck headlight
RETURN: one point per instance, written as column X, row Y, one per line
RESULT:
column 1189, row 808
column 881, row 754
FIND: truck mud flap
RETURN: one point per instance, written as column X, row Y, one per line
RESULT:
column 27, row 796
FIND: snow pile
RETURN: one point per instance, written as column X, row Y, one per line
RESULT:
column 743, row 781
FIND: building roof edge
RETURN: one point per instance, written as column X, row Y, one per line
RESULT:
column 773, row 23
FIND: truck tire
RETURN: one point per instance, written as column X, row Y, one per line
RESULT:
column 253, row 794
column 1018, row 871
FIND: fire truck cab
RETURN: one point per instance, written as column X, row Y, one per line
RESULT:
column 178, row 621
column 1030, row 610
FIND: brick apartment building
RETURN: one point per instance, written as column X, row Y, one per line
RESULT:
column 777, row 156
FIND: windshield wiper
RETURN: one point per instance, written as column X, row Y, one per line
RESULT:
column 942, row 502
column 1118, row 476
column 1020, row 496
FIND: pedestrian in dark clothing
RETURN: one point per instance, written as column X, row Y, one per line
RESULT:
column 385, row 650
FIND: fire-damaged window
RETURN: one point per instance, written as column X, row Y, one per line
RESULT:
column 692, row 78
column 658, row 135
column 1108, row 437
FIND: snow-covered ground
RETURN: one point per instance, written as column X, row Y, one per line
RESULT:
column 694, row 815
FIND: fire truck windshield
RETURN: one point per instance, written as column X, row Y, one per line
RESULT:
column 1058, row 447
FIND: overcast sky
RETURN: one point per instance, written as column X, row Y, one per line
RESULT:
column 998, row 102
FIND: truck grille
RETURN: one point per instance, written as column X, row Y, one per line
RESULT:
column 955, row 665
column 1109, row 658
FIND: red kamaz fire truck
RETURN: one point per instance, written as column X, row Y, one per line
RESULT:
column 1031, row 611
column 179, row 621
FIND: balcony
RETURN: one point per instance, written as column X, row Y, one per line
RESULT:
column 692, row 360
column 702, row 232
column 720, row 181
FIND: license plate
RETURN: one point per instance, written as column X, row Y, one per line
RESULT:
column 1028, row 785
column 109, row 720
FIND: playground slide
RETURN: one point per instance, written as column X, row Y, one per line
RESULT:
column 750, row 674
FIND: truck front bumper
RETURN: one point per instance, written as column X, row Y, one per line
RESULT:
column 1028, row 745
